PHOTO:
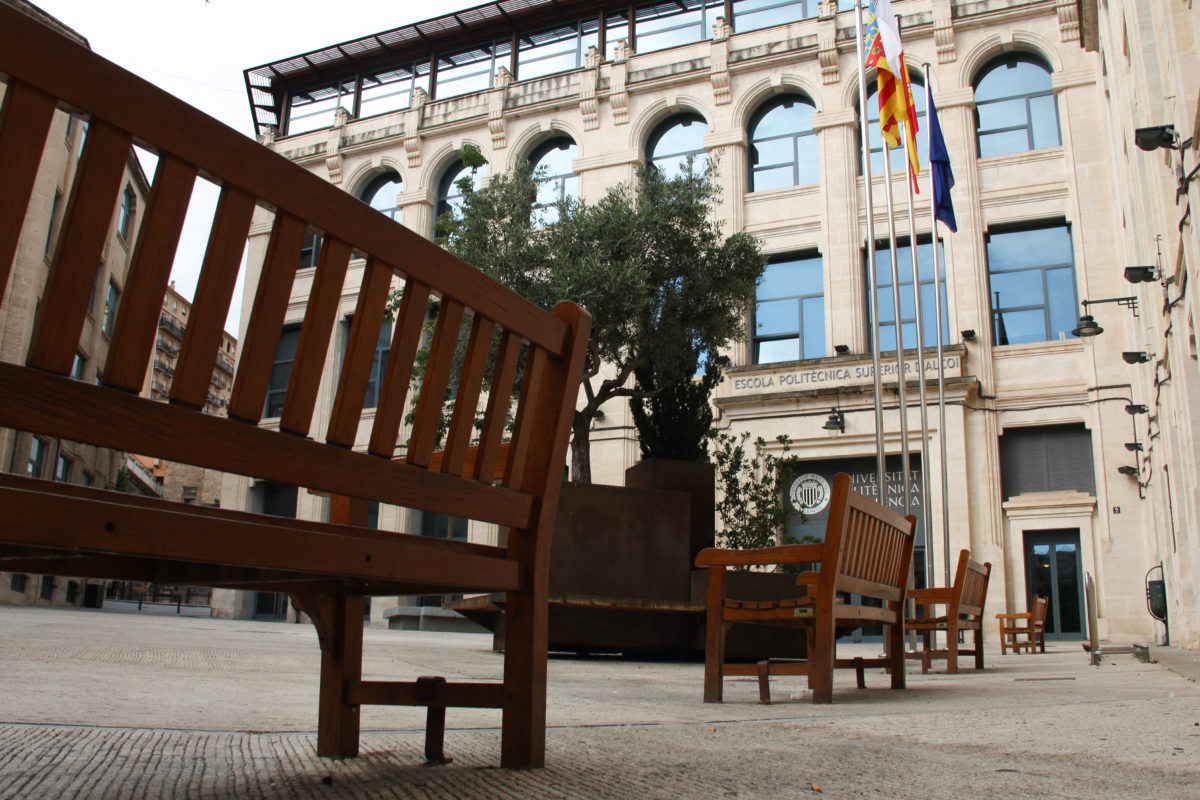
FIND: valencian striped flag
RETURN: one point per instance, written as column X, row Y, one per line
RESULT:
column 885, row 53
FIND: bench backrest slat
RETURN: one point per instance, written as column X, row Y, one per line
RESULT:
column 214, row 291
column 870, row 545
column 466, row 400
column 504, row 372
column 406, row 339
column 24, row 126
column 434, row 382
column 324, row 299
column 365, row 329
column 146, row 284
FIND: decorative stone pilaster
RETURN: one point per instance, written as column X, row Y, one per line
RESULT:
column 497, row 99
column 943, row 31
column 618, row 96
column 1068, row 20
column 589, row 80
column 719, row 73
column 268, row 135
column 413, row 118
column 333, row 145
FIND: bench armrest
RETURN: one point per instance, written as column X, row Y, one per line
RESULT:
column 1021, row 615
column 783, row 554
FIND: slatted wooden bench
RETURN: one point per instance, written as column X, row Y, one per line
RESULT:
column 326, row 567
column 867, row 551
column 963, row 611
column 1030, row 624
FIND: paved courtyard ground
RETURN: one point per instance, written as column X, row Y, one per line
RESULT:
column 96, row 704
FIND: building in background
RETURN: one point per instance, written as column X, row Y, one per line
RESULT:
column 25, row 453
column 1038, row 102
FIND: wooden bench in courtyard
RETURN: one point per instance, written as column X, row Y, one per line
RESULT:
column 326, row 567
column 867, row 551
column 1029, row 624
column 962, row 610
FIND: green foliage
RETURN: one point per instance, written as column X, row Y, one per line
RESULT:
column 750, row 491
column 650, row 264
column 675, row 420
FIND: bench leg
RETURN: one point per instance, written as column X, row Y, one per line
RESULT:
column 952, row 648
column 821, row 656
column 715, row 630
column 926, row 645
column 523, row 729
column 896, row 651
column 979, row 646
column 339, row 624
column 764, row 683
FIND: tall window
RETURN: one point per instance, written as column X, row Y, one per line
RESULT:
column 750, row 15
column 62, row 469
column 382, row 347
column 314, row 109
column 1031, row 272
column 660, row 25
column 52, row 228
column 789, row 311
column 128, row 207
column 885, row 298
column 309, row 250
column 783, row 147
column 470, row 70
column 552, row 162
column 37, row 457
column 450, row 193
column 281, row 371
column 556, row 49
column 382, row 194
column 896, row 164
column 675, row 140
column 110, row 307
column 1049, row 458
column 443, row 526
column 1015, row 110
column 391, row 89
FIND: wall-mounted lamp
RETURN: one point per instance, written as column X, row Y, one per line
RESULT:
column 1087, row 323
column 841, row 349
column 1137, row 408
column 1141, row 274
column 1133, row 447
column 1135, row 357
column 1156, row 136
column 836, row 421
column 1087, row 327
column 1130, row 471
column 968, row 335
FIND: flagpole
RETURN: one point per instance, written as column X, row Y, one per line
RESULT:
column 900, row 381
column 926, row 520
column 872, row 276
column 941, row 370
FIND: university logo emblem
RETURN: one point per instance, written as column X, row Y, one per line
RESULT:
column 809, row 493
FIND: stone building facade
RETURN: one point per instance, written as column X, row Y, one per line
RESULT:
column 22, row 452
column 1037, row 99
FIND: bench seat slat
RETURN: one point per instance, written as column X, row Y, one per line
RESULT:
column 24, row 125
column 56, row 406
column 91, row 525
column 77, row 256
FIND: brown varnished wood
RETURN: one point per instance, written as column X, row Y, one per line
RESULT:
column 400, row 693
column 270, row 304
column 504, row 371
column 434, row 383
column 25, row 118
column 338, row 620
column 360, row 354
column 85, row 228
column 466, row 399
column 214, row 292
column 152, row 116
column 951, row 609
column 522, row 437
column 406, row 338
column 146, row 283
column 55, row 406
column 323, row 301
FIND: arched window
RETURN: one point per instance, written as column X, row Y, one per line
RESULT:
column 783, row 147
column 1015, row 110
column 449, row 196
column 552, row 163
column 381, row 194
column 896, row 164
column 674, row 140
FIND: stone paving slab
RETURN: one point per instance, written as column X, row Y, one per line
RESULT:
column 101, row 705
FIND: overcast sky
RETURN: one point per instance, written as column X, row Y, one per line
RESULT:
column 196, row 50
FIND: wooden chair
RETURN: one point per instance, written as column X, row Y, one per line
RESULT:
column 963, row 602
column 867, row 551
column 1029, row 624
column 326, row 567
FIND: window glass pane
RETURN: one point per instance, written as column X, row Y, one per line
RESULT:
column 313, row 110
column 1044, row 115
column 1002, row 115
column 776, row 178
column 813, row 314
column 1060, row 286
column 548, row 51
column 1018, row 289
column 1037, row 246
column 616, row 28
column 382, row 195
column 791, row 278
column 782, row 120
column 999, row 144
column 750, row 15
column 772, row 152
column 896, row 161
column 1021, row 327
column 777, row 350
column 808, row 166
column 1012, row 79
column 391, row 90
column 776, row 316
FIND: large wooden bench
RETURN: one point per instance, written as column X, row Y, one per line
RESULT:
column 326, row 567
column 963, row 611
column 867, row 551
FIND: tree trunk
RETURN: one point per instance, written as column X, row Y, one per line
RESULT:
column 581, row 448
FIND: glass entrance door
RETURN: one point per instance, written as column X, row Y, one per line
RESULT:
column 1053, row 570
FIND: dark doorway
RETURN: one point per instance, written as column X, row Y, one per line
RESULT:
column 1053, row 569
